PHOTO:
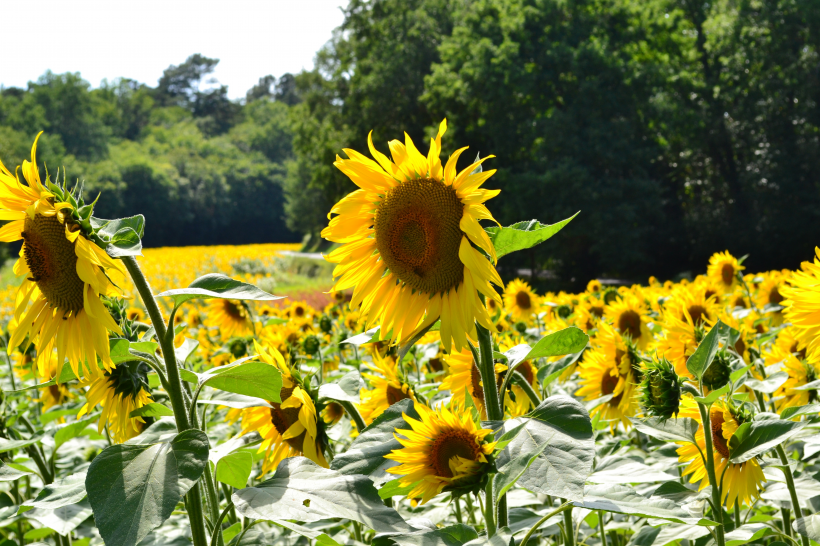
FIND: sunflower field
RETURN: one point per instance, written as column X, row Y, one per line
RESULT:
column 167, row 396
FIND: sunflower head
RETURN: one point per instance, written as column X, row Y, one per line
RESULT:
column 446, row 450
column 408, row 237
column 326, row 324
column 520, row 300
column 311, row 345
column 660, row 390
column 719, row 372
column 723, row 270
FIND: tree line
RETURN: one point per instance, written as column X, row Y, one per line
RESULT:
column 677, row 127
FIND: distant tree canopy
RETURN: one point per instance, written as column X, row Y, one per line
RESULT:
column 677, row 127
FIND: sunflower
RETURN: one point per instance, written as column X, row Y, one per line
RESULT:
column 446, row 449
column 723, row 269
column 802, row 305
column 119, row 392
column 695, row 298
column 520, row 301
column 601, row 376
column 464, row 377
column 787, row 341
column 407, row 242
column 800, row 373
column 387, row 388
column 587, row 313
column 681, row 338
column 332, row 413
column 629, row 315
column 739, row 481
column 135, row 314
column 289, row 428
column 594, row 286
column 58, row 304
column 231, row 317
column 53, row 395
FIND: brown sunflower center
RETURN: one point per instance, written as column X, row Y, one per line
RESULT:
column 449, row 444
column 418, row 235
column 630, row 323
column 525, row 369
column 334, row 411
column 727, row 274
column 233, row 309
column 282, row 419
column 775, row 297
column 55, row 392
column 395, row 394
column 53, row 263
column 608, row 384
column 716, row 421
column 698, row 313
column 522, row 300
column 299, row 311
column 596, row 311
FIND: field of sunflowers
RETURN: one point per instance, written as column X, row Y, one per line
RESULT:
column 170, row 396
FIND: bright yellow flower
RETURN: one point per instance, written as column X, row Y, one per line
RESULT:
column 520, row 300
column 119, row 392
column 463, row 377
column 229, row 316
column 802, row 305
column 698, row 301
column 387, row 388
column 740, row 481
column 681, row 338
column 58, row 303
column 601, row 376
column 800, row 373
column 629, row 315
column 446, row 448
column 407, row 242
column 723, row 269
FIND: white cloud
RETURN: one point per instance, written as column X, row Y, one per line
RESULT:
column 139, row 39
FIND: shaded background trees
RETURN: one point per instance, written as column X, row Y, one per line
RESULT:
column 677, row 127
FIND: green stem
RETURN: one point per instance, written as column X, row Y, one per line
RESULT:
column 210, row 490
column 489, row 509
column 226, row 490
column 522, row 382
column 540, row 522
column 569, row 529
column 798, row 513
column 357, row 531
column 710, row 470
column 216, row 537
column 470, row 510
column 195, row 515
column 354, row 414
column 737, row 513
column 601, row 527
column 785, row 515
column 458, row 510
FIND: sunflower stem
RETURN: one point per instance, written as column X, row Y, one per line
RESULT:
column 493, row 403
column 569, row 528
column 540, row 522
column 522, row 382
column 216, row 537
column 798, row 513
column 194, row 504
column 458, row 510
column 354, row 414
column 717, row 511
column 489, row 509
column 601, row 527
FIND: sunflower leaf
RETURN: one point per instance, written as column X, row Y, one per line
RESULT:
column 808, row 526
column 304, row 491
column 682, row 429
column 621, row 499
column 62, row 492
column 702, row 358
column 763, row 436
column 246, row 377
column 523, row 235
column 768, row 385
column 215, row 285
column 9, row 474
column 154, row 409
column 134, row 488
column 452, row 535
column 235, row 468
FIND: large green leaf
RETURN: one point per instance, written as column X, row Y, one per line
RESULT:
column 625, row 500
column 366, row 453
column 563, row 466
column 746, row 533
column 8, row 445
column 345, row 389
column 682, row 429
column 63, row 519
column 563, row 342
column 514, row 468
column 72, row 430
column 133, row 488
column 304, row 491
column 235, row 469
column 62, row 492
column 523, row 235
column 550, row 371
column 768, row 385
column 248, row 378
column 702, row 358
column 121, row 236
column 808, row 526
column 623, row 470
column 453, row 535
column 763, row 436
column 163, row 430
column 215, row 285
column 9, row 474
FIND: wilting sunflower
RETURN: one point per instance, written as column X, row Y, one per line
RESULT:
column 444, row 450
column 520, row 300
column 289, row 428
column 802, row 305
column 58, row 303
column 800, row 373
column 740, row 481
column 464, row 377
column 119, row 392
column 231, row 317
column 629, row 315
column 723, row 269
column 407, row 242
column 387, row 388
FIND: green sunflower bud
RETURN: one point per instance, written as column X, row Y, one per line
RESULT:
column 325, row 324
column 238, row 347
column 564, row 311
column 610, row 295
column 719, row 372
column 520, row 327
column 311, row 345
column 660, row 390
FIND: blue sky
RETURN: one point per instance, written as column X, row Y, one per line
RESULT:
column 138, row 39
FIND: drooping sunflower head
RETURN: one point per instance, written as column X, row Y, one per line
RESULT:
column 387, row 386
column 464, row 378
column 407, row 241
column 231, row 317
column 660, row 390
column 520, row 300
column 723, row 269
column 65, row 272
column 120, row 391
column 445, row 451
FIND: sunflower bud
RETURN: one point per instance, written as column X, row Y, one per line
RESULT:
column 660, row 390
column 520, row 327
column 311, row 345
column 325, row 324
column 717, row 374
column 238, row 347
